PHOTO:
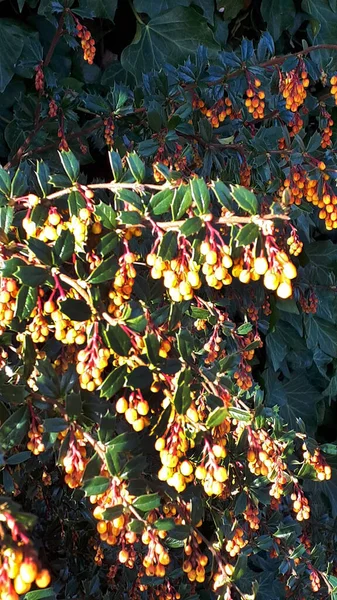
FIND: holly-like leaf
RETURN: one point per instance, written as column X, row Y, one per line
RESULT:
column 113, row 382
column 96, row 485
column 247, row 234
column 70, row 164
column 200, row 195
column 168, row 246
column 245, row 199
column 161, row 202
column 191, row 226
column 182, row 397
column 137, row 167
column 216, row 417
column 25, row 302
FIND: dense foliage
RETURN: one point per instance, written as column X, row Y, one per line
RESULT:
column 168, row 335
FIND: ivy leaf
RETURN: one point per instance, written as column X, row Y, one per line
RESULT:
column 70, row 165
column 171, row 36
column 245, row 199
column 12, row 42
column 279, row 15
column 99, row 8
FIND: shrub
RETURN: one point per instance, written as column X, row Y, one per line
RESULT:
column 167, row 318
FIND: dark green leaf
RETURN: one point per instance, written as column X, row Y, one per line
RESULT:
column 247, row 235
column 181, row 202
column 182, row 397
column 216, row 417
column 185, row 344
column 161, row 202
column 200, row 195
column 245, row 199
column 140, row 378
column 114, row 381
column 113, row 512
column 105, row 271
column 32, row 276
column 64, row 246
column 168, row 247
column 55, row 424
column 13, row 430
column 116, row 165
column 41, row 251
column 70, row 165
column 147, row 502
column 136, row 166
column 25, row 302
column 76, row 310
column 152, row 345
column 96, row 485
column 131, row 198
column 75, row 203
column 117, row 339
column 106, row 214
column 191, row 226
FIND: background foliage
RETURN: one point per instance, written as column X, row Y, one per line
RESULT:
column 141, row 96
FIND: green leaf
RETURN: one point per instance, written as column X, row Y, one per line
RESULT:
column 222, row 194
column 182, row 397
column 248, row 234
column 137, row 167
column 55, row 424
column 156, row 8
column 117, row 339
column 185, row 344
column 279, row 16
column 6, row 218
column 105, row 271
column 32, row 276
column 13, row 430
column 41, row 251
column 113, row 512
column 181, row 202
column 125, row 442
column 191, row 226
column 25, row 302
column 240, row 414
column 245, row 199
column 73, row 405
column 96, row 485
column 161, row 202
column 216, row 417
column 168, row 247
column 324, row 16
column 140, row 378
column 130, row 197
column 240, row 567
column 76, row 310
column 42, row 175
column 70, row 165
column 329, row 449
column 47, row 593
column 75, row 203
column 152, row 345
column 107, row 215
column 200, row 195
column 12, row 42
column 18, row 458
column 5, row 180
column 114, row 381
column 116, row 165
column 99, row 8
column 147, row 502
column 171, row 36
column 164, row 524
column 64, row 246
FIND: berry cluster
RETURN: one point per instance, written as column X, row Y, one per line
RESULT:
column 333, row 90
column 75, row 460
column 265, row 458
column 236, row 543
column 294, row 243
column 316, row 460
column 91, row 362
column 326, row 124
column 19, row 564
column 195, row 562
column 315, row 581
column 300, row 505
column 245, row 173
column 309, row 302
column 181, row 275
column 172, row 447
column 251, row 515
column 8, row 293
column 39, row 78
column 293, row 87
column 66, row 330
column 49, row 231
column 87, row 43
column 255, row 99
column 216, row 262
column 295, row 125
column 212, row 475
column 122, row 285
column 35, row 444
column 172, row 159
column 109, row 130
column 53, row 108
column 135, row 410
column 157, row 558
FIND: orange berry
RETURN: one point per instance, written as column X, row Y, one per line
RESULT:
column 43, row 579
